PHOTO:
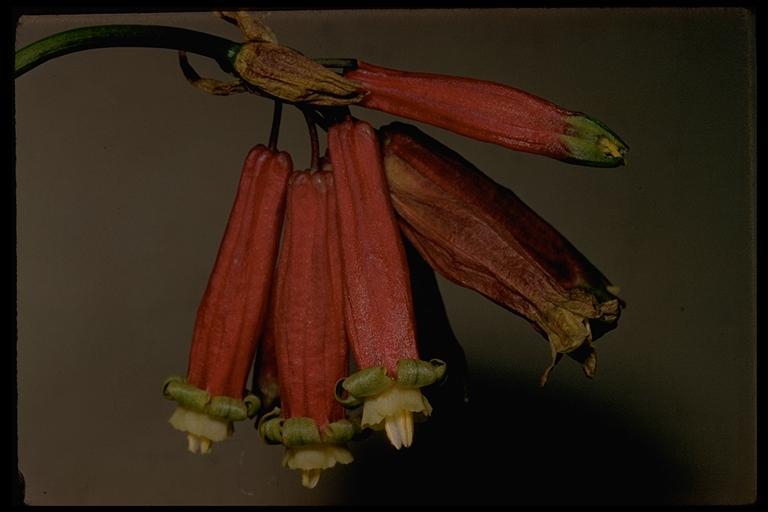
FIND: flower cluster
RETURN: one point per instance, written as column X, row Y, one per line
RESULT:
column 313, row 269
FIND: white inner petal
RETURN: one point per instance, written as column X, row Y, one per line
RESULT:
column 201, row 429
column 393, row 409
column 316, row 456
column 389, row 403
column 311, row 459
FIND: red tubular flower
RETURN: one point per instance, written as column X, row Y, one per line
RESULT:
column 482, row 236
column 309, row 316
column 309, row 333
column 490, row 112
column 378, row 304
column 232, row 311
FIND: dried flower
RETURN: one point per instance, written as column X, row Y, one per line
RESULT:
column 490, row 112
column 481, row 235
column 231, row 314
column 286, row 74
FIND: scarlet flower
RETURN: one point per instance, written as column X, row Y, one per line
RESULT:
column 231, row 314
column 378, row 303
column 490, row 112
column 308, row 323
column 481, row 235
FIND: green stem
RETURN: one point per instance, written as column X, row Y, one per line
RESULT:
column 277, row 116
column 221, row 50
column 315, row 159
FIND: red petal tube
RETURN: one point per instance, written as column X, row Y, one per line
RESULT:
column 490, row 112
column 308, row 305
column 378, row 303
column 232, row 312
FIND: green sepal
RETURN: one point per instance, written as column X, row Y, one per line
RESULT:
column 226, row 407
column 252, row 405
column 590, row 142
column 270, row 427
column 271, row 431
column 350, row 402
column 414, row 373
column 173, row 379
column 186, row 395
column 440, row 367
column 220, row 407
column 339, row 432
column 300, row 431
column 411, row 373
column 367, row 382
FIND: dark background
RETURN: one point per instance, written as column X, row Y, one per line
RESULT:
column 125, row 175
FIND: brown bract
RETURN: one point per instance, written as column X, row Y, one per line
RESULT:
column 286, row 74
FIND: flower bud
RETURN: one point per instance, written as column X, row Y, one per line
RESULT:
column 490, row 112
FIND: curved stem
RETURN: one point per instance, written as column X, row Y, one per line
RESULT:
column 333, row 115
column 220, row 49
column 315, row 159
column 277, row 114
column 316, row 117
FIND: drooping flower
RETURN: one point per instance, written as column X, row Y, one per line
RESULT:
column 310, row 342
column 490, row 112
column 232, row 311
column 367, row 289
column 378, row 303
column 481, row 235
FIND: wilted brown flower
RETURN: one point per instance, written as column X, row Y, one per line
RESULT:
column 481, row 235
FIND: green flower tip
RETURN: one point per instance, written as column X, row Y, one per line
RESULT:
column 370, row 382
column 413, row 373
column 307, row 448
column 590, row 142
column 223, row 407
column 300, row 431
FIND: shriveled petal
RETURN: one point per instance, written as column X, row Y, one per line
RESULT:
column 480, row 235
